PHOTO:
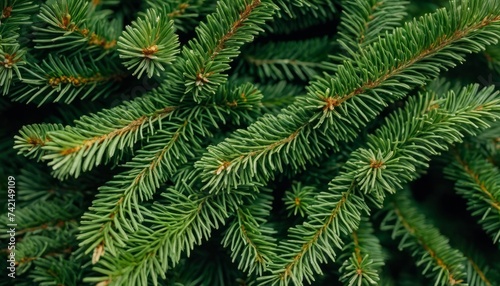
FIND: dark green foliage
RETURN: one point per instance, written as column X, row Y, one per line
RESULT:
column 251, row 142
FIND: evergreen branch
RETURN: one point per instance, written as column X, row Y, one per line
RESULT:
column 364, row 21
column 310, row 244
column 14, row 14
column 363, row 257
column 489, row 141
column 430, row 125
column 32, row 138
column 94, row 141
column 299, row 199
column 182, row 219
column 67, row 79
column 36, row 184
column 250, row 240
column 149, row 44
column 182, row 12
column 58, row 271
column 117, row 206
column 285, row 60
column 72, row 150
column 478, row 181
column 425, row 242
column 492, row 55
column 278, row 95
column 314, row 7
column 475, row 275
column 336, row 107
column 296, row 15
column 478, row 272
column 219, row 40
column 50, row 243
column 11, row 59
column 43, row 215
column 71, row 25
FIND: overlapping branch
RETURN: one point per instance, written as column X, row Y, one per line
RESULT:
column 335, row 108
column 391, row 159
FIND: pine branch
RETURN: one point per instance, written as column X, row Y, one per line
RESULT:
column 299, row 199
column 11, row 59
column 478, row 270
column 363, row 257
column 218, row 41
column 14, row 14
column 311, row 244
column 149, row 44
column 37, row 217
column 67, row 79
column 35, row 184
column 336, row 108
column 431, row 249
column 478, row 181
column 183, row 218
column 285, row 60
column 251, row 242
column 32, row 138
column 183, row 12
column 288, row 8
column 297, row 15
column 95, row 139
column 392, row 158
column 116, row 210
column 98, row 137
column 58, row 271
column 278, row 95
column 40, row 245
column 364, row 21
column 72, row 26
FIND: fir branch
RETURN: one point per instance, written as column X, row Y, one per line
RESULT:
column 182, row 12
column 94, row 141
column 431, row 124
column 45, row 215
column 52, row 242
column 32, row 138
column 71, row 25
column 478, row 181
column 363, row 257
column 58, row 271
column 285, row 60
column 182, row 219
column 405, row 221
column 219, row 40
column 278, row 95
column 72, row 150
column 364, row 21
column 477, row 272
column 67, row 79
column 14, row 15
column 299, row 199
column 335, row 108
column 251, row 242
column 117, row 208
column 149, row 44
column 11, row 60
column 310, row 244
column 297, row 15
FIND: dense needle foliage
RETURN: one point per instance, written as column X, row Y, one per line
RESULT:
column 250, row 142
